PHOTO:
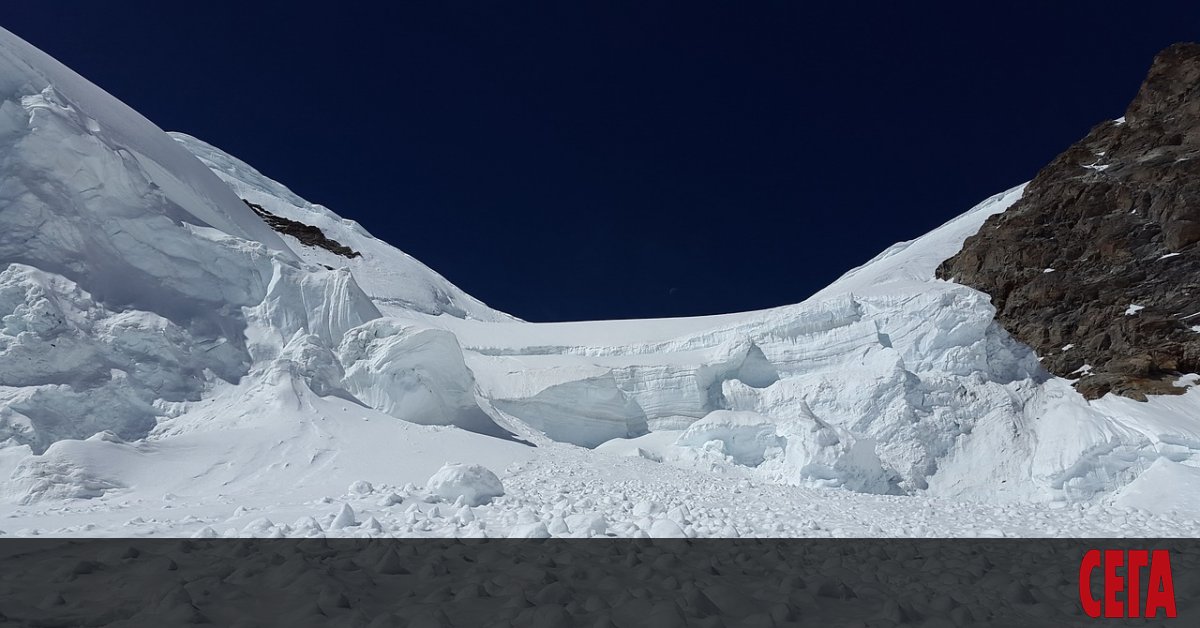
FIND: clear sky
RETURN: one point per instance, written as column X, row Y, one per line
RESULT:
column 608, row 159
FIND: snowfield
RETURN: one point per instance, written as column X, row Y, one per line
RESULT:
column 171, row 366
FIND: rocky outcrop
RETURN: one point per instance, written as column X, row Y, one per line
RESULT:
column 1097, row 267
column 307, row 234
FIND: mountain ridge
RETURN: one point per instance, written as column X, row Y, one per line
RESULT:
column 1097, row 266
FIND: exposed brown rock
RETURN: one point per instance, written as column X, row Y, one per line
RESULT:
column 306, row 234
column 1117, row 218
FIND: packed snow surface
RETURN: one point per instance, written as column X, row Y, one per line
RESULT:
column 169, row 365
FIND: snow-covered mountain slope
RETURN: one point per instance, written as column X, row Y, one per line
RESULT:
column 136, row 283
column 169, row 364
column 910, row 364
column 395, row 281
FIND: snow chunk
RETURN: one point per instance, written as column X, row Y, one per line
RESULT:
column 646, row 508
column 746, row 437
column 537, row 530
column 207, row 532
column 666, row 529
column 344, row 519
column 587, row 523
column 412, row 372
column 1133, row 309
column 476, row 484
column 361, row 487
column 823, row 453
column 584, row 412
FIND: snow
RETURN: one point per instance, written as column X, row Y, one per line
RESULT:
column 1187, row 380
column 474, row 484
column 344, row 519
column 412, row 372
column 169, row 366
column 1133, row 309
column 97, row 194
column 1157, row 491
column 394, row 280
column 65, row 129
column 746, row 437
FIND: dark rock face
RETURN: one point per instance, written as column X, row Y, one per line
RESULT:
column 1117, row 218
column 306, row 234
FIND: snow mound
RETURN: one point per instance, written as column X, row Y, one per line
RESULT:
column 474, row 484
column 70, row 469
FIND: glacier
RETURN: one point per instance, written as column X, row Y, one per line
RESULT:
column 171, row 365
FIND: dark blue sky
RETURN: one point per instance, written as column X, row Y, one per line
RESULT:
column 581, row 160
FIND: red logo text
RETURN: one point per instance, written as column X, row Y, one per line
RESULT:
column 1121, row 572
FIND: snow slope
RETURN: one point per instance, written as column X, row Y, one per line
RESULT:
column 115, row 243
column 395, row 281
column 169, row 365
